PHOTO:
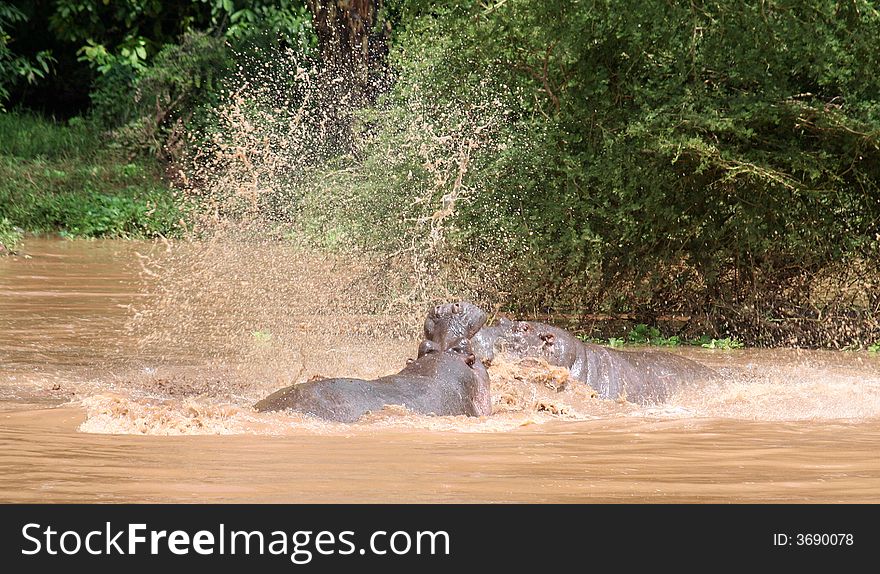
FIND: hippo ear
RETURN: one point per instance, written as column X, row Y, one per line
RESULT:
column 548, row 338
column 503, row 322
column 456, row 307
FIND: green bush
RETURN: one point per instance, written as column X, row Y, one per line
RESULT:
column 716, row 158
column 9, row 236
column 152, row 106
column 17, row 68
column 60, row 177
column 160, row 99
column 31, row 137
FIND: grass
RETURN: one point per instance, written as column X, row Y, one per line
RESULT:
column 726, row 344
column 9, row 236
column 62, row 177
column 642, row 334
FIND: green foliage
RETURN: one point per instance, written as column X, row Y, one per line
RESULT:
column 615, row 342
column 162, row 96
column 113, row 35
column 673, row 341
column 282, row 21
column 108, row 108
column 641, row 334
column 654, row 155
column 169, row 88
column 90, row 39
column 91, row 213
column 26, row 136
column 124, row 34
column 875, row 348
column 725, row 344
column 701, row 341
column 9, row 236
column 15, row 67
column 131, row 55
column 56, row 177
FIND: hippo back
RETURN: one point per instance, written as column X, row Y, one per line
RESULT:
column 651, row 376
column 342, row 399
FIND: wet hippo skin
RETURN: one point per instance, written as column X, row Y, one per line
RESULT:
column 641, row 377
column 451, row 382
column 483, row 342
column 448, row 323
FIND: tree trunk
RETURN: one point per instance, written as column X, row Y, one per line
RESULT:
column 353, row 46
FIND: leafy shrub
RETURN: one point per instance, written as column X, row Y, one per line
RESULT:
column 169, row 92
column 725, row 344
column 9, row 236
column 719, row 159
column 60, row 177
column 162, row 96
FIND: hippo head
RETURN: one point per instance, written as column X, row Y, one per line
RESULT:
column 525, row 336
column 450, row 322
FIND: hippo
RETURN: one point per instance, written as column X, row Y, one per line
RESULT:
column 484, row 341
column 448, row 382
column 641, row 377
column 448, row 323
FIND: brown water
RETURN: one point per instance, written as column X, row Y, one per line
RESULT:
column 89, row 412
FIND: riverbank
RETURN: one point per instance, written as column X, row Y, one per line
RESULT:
column 70, row 178
column 67, row 178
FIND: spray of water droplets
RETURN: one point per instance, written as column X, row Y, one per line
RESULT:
column 313, row 232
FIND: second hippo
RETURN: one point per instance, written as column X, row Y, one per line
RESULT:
column 641, row 377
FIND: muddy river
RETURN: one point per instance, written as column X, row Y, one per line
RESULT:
column 98, row 405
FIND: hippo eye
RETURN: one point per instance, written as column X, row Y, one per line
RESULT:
column 456, row 308
column 437, row 310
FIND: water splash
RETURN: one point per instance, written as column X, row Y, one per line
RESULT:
column 293, row 242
